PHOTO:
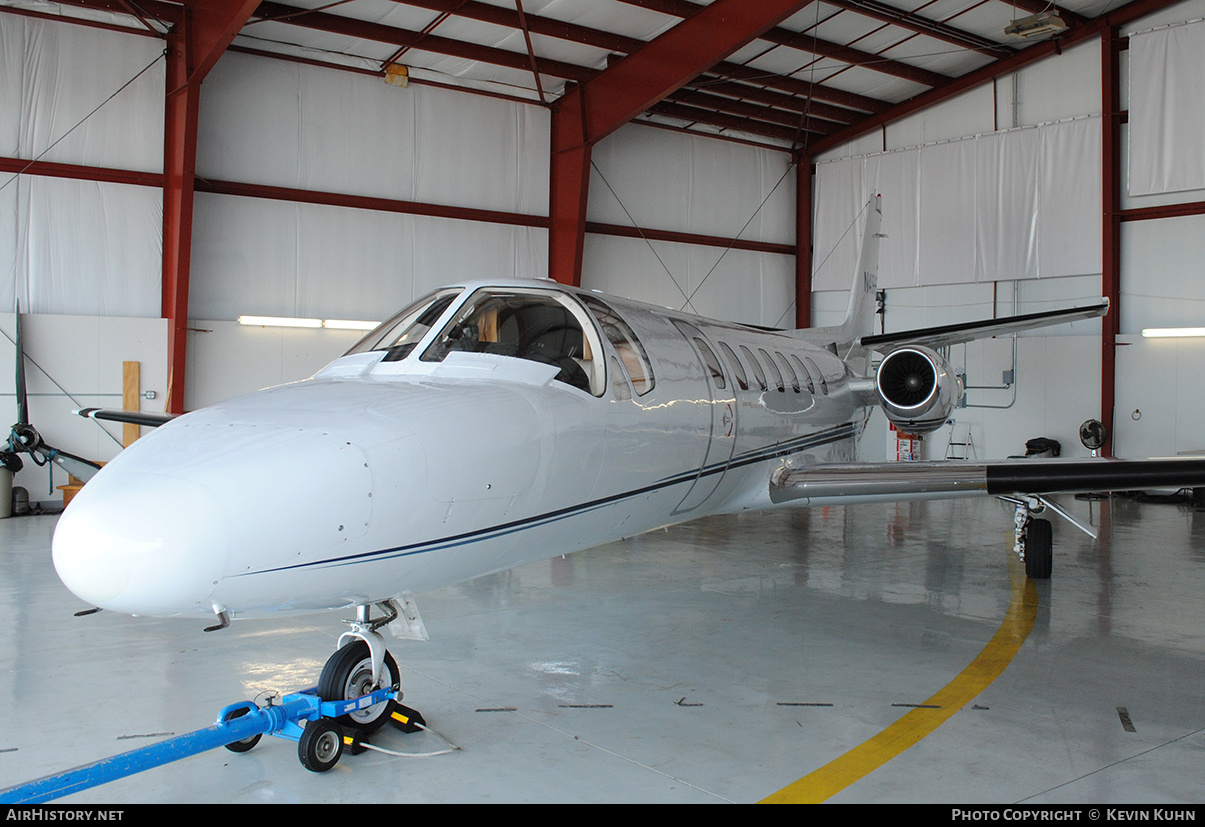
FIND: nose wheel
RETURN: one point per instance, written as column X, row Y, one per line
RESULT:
column 349, row 674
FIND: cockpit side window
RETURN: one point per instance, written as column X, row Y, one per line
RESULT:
column 399, row 335
column 626, row 345
column 535, row 325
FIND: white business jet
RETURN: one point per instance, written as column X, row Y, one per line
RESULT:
column 490, row 425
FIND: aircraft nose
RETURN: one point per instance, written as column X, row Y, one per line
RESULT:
column 179, row 519
column 152, row 545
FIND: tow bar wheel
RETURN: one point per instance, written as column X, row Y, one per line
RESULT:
column 247, row 743
column 320, row 745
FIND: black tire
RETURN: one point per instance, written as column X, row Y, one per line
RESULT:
column 247, row 743
column 347, row 675
column 320, row 745
column 1039, row 550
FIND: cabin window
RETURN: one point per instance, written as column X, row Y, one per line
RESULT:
column 820, row 376
column 787, row 371
column 773, row 370
column 758, row 373
column 399, row 335
column 713, row 364
column 534, row 325
column 627, row 345
column 801, row 370
column 619, row 382
column 738, row 370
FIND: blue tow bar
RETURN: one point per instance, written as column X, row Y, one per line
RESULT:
column 320, row 741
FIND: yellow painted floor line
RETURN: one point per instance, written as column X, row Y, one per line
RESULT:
column 862, row 760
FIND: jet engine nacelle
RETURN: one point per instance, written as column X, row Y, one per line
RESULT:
column 917, row 389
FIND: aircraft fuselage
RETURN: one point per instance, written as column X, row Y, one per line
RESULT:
column 510, row 423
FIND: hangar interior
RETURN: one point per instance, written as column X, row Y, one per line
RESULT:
column 166, row 168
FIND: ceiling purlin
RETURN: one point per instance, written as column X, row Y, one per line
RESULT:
column 809, row 43
column 922, row 25
column 546, row 26
column 752, row 110
column 769, row 97
column 693, row 114
column 381, row 33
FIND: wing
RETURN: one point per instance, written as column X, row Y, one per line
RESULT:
column 953, row 334
column 868, row 482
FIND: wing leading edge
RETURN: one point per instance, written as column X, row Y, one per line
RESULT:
column 953, row 479
column 953, row 334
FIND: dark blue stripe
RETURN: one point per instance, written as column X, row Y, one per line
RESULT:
column 780, row 449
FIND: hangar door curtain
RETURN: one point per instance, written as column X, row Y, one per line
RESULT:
column 1167, row 113
column 1019, row 204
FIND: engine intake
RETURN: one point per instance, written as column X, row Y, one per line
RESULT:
column 917, row 389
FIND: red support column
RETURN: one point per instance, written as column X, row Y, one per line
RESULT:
column 179, row 162
column 1110, row 49
column 193, row 46
column 569, row 184
column 595, row 109
column 803, row 241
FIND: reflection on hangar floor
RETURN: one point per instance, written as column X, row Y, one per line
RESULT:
column 716, row 661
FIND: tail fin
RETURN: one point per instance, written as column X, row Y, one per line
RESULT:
column 859, row 315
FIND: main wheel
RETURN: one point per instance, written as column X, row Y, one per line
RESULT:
column 1039, row 550
column 320, row 745
column 247, row 743
column 347, row 675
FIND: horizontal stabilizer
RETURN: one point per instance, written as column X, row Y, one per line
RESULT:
column 953, row 478
column 953, row 334
column 147, row 418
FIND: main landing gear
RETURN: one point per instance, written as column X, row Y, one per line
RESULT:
column 1033, row 539
column 1034, row 542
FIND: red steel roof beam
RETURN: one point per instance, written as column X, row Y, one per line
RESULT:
column 588, row 113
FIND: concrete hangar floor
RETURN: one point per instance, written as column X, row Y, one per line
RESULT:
column 722, row 661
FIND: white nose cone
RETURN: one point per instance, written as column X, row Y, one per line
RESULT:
column 142, row 544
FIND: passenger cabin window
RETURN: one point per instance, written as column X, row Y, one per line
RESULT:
column 787, row 371
column 758, row 373
column 713, row 364
column 820, row 376
column 773, row 371
column 738, row 370
column 534, row 325
column 626, row 344
column 801, row 370
column 399, row 335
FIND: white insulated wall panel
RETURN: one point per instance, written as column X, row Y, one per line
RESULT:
column 290, row 125
column 80, row 247
column 284, row 124
column 672, row 181
column 275, row 258
column 748, row 287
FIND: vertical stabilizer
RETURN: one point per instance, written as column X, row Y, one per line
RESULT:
column 859, row 315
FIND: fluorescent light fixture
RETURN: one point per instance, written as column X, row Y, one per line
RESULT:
column 281, row 321
column 278, row 321
column 348, row 324
column 1037, row 25
column 1171, row 332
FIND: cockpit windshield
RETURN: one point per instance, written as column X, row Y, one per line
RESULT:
column 541, row 326
column 399, row 335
